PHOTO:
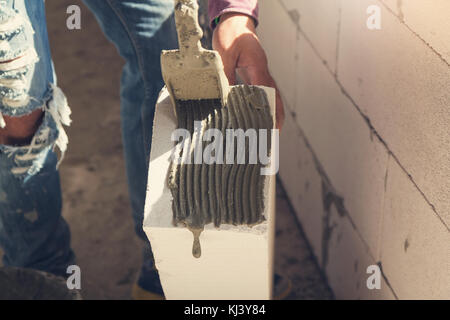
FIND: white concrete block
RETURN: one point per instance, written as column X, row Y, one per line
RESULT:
column 415, row 245
column 354, row 160
column 403, row 87
column 278, row 35
column 319, row 20
column 302, row 182
column 236, row 261
column 428, row 19
column 347, row 262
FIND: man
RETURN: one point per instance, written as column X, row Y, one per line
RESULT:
column 33, row 110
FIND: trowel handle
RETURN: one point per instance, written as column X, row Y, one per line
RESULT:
column 188, row 28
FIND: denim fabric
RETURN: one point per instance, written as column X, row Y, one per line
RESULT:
column 32, row 232
column 24, row 84
column 140, row 29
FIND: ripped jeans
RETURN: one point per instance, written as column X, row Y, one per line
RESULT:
column 33, row 233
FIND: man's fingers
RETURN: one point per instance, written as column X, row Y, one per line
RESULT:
column 242, row 52
column 279, row 111
column 228, row 55
column 229, row 65
column 229, row 68
column 256, row 76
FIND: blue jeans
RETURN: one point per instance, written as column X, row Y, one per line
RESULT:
column 33, row 233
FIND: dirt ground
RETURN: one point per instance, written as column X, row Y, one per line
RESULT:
column 93, row 173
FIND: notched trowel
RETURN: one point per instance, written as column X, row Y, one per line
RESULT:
column 192, row 72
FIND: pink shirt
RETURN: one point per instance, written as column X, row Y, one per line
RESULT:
column 218, row 7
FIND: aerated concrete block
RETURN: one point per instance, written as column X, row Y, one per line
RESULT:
column 236, row 261
column 352, row 157
column 429, row 20
column 401, row 85
column 319, row 21
column 302, row 182
column 415, row 244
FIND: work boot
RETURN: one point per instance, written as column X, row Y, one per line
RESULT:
column 137, row 293
column 148, row 285
column 282, row 287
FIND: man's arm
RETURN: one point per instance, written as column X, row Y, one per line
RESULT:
column 235, row 39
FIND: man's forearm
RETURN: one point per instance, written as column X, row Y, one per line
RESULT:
column 216, row 8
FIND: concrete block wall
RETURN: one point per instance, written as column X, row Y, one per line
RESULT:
column 365, row 150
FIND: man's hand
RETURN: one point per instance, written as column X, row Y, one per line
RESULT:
column 236, row 41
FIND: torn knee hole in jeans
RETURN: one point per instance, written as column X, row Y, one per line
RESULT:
column 17, row 63
column 28, row 160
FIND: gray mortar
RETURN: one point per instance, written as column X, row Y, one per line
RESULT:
column 220, row 193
